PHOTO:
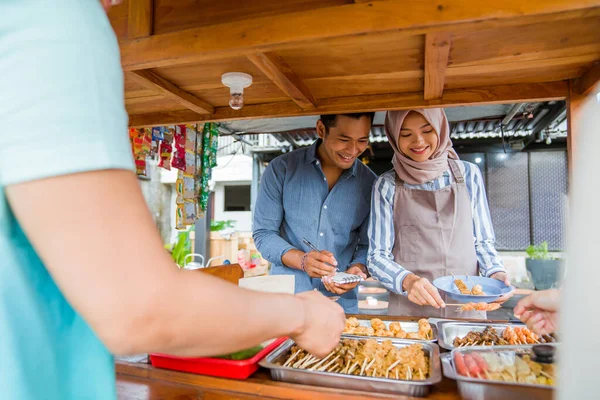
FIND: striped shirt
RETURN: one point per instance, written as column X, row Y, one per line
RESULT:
column 380, row 260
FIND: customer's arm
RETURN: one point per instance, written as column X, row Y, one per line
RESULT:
column 97, row 238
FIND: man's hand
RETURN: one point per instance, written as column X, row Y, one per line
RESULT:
column 503, row 277
column 338, row 288
column 422, row 292
column 324, row 321
column 319, row 264
column 539, row 311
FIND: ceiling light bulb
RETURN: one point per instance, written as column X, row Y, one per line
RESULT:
column 548, row 140
column 236, row 101
column 478, row 160
column 236, row 82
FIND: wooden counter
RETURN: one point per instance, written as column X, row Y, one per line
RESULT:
column 144, row 382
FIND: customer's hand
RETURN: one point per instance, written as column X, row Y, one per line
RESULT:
column 539, row 311
column 338, row 288
column 318, row 264
column 503, row 277
column 324, row 321
column 422, row 292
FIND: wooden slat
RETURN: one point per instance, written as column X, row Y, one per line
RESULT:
column 482, row 95
column 278, row 71
column 437, row 52
column 141, row 18
column 151, row 80
column 590, row 81
column 281, row 31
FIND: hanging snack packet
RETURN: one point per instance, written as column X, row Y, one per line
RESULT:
column 179, row 155
column 190, row 212
column 146, row 141
column 191, row 155
column 157, row 137
column 179, row 201
column 166, row 148
column 189, row 188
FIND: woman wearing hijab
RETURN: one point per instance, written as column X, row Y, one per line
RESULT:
column 429, row 217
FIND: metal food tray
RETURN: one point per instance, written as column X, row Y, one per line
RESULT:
column 353, row 382
column 483, row 389
column 449, row 330
column 407, row 326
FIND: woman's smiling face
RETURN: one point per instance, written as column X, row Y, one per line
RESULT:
column 417, row 140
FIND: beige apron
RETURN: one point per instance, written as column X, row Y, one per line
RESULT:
column 433, row 238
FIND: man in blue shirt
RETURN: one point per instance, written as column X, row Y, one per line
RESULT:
column 321, row 194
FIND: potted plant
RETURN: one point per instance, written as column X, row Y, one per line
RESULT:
column 545, row 270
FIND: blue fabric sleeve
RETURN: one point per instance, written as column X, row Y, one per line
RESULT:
column 62, row 106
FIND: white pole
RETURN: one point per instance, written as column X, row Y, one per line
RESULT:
column 580, row 309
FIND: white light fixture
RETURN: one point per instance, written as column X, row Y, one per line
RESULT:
column 236, row 82
column 478, row 160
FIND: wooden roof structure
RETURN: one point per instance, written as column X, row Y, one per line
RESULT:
column 328, row 56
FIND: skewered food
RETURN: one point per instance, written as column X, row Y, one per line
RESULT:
column 461, row 286
column 489, row 337
column 505, row 366
column 464, row 289
column 379, row 328
column 477, row 291
column 366, row 357
column 479, row 307
column 510, row 336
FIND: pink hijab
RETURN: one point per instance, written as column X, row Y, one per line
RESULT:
column 413, row 172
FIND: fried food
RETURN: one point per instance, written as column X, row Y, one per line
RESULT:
column 477, row 291
column 461, row 286
column 379, row 328
column 479, row 307
column 510, row 336
column 366, row 358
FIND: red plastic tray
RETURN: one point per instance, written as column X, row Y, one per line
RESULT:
column 236, row 369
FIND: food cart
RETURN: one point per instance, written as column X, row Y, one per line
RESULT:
column 311, row 57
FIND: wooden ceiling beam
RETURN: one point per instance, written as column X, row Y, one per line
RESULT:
column 280, row 73
column 532, row 92
column 152, row 81
column 590, row 81
column 437, row 54
column 140, row 20
column 269, row 33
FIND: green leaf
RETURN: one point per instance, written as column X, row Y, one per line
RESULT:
column 243, row 354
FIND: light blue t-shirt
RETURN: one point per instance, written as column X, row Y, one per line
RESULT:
column 61, row 112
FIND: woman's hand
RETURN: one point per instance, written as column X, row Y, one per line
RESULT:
column 338, row 288
column 539, row 311
column 422, row 292
column 503, row 277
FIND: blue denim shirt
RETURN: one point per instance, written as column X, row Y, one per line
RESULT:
column 294, row 202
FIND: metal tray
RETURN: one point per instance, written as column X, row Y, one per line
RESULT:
column 353, row 382
column 449, row 330
column 407, row 326
column 480, row 389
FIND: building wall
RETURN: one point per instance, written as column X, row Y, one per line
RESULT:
column 243, row 218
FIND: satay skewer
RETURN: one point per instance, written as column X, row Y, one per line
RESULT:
column 289, row 360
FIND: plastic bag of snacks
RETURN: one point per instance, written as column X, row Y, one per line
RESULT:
column 166, row 148
column 157, row 137
column 179, row 155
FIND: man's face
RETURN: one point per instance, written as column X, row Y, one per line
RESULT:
column 345, row 141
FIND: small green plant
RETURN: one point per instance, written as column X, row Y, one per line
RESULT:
column 539, row 252
column 216, row 226
column 182, row 246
